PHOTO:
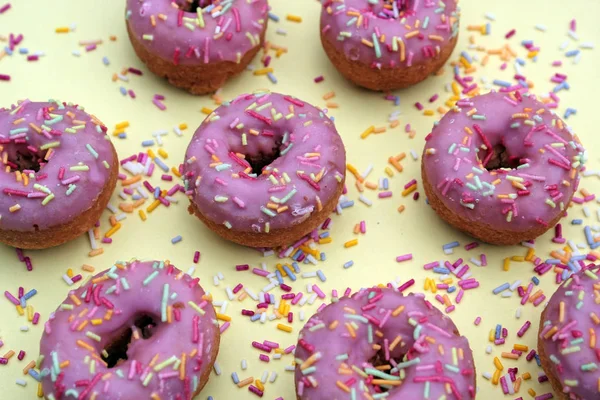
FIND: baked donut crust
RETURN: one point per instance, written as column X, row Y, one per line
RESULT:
column 386, row 78
column 277, row 237
column 197, row 79
column 60, row 234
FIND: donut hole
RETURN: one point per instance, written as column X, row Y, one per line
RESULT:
column 191, row 6
column 261, row 160
column 379, row 361
column 116, row 349
column 21, row 157
column 500, row 159
column 384, row 8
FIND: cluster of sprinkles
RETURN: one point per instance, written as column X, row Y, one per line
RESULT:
column 306, row 253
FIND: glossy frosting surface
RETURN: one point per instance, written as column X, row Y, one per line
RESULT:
column 545, row 156
column 570, row 332
column 223, row 30
column 309, row 170
column 338, row 345
column 75, row 158
column 168, row 364
column 389, row 33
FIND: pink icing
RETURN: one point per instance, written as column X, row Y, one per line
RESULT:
column 226, row 30
column 307, row 174
column 89, row 319
column 548, row 156
column 75, row 156
column 415, row 339
column 569, row 337
column 389, row 33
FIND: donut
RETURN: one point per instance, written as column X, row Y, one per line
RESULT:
column 501, row 167
column 140, row 330
column 388, row 44
column 197, row 44
column 59, row 171
column 567, row 339
column 264, row 169
column 380, row 340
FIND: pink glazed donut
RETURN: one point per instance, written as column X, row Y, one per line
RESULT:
column 197, row 45
column 388, row 44
column 501, row 167
column 379, row 339
column 265, row 169
column 569, row 328
column 141, row 330
column 59, row 171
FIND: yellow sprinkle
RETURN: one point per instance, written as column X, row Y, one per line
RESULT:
column 285, row 328
column 62, row 29
column 142, row 215
column 206, row 110
column 294, row 18
column 351, row 243
column 113, row 230
column 122, row 125
column 163, row 153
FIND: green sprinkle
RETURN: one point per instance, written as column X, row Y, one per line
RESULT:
column 150, row 278
column 91, row 150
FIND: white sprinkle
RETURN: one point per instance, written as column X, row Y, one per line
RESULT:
column 67, row 280
column 24, row 329
column 487, row 375
column 216, row 280
column 488, row 349
column 92, row 238
column 301, row 315
column 112, row 208
column 312, row 299
column 244, row 364
column 263, row 318
column 220, row 275
column 217, row 368
column 586, row 45
column 573, row 35
column 76, row 53
column 490, row 16
column 21, row 382
column 564, row 45
column 518, row 313
column 364, row 200
column 264, row 377
column 229, row 293
column 290, row 368
column 367, row 171
column 541, row 27
column 414, row 154
column 273, row 376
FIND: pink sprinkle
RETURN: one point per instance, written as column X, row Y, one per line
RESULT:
column 433, row 98
column 363, row 227
column 255, row 390
column 32, row 58
column 510, row 33
column 572, row 25
column 90, row 47
column 319, row 79
column 159, row 97
column 158, row 104
column 4, row 77
column 264, row 357
column 471, row 246
column 318, row 291
column 11, row 298
column 4, row 8
column 131, row 93
column 477, row 321
column 135, row 71
column 243, row 267
column 166, row 177
column 261, row 272
column 419, row 106
column 224, row 326
column 384, row 195
column 405, row 257
column 406, row 285
column 21, row 355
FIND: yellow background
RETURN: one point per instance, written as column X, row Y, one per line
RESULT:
column 86, row 80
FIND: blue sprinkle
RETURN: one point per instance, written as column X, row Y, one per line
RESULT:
column 501, row 288
column 122, row 135
column 441, row 270
column 23, row 50
column 520, row 61
column 30, row 294
column 488, row 28
column 535, row 280
column 289, row 273
column 450, row 245
column 456, row 70
column 346, row 204
column 255, row 317
column 323, row 256
column 578, row 257
column 105, row 60
column 156, row 192
column 523, row 83
column 498, row 331
column 296, row 267
column 386, row 184
column 176, row 239
column 588, row 235
column 526, row 42
column 297, row 255
column 234, row 377
column 577, row 222
column 451, row 289
column 8, row 51
column 34, row 374
column 136, row 196
column 499, row 82
column 570, row 111
column 324, row 235
column 275, row 18
column 348, row 264
column 271, row 77
column 572, row 53
column 537, row 360
column 149, row 142
column 123, row 91
column 321, row 276
column 161, row 164
column 279, row 277
column 467, row 57
column 397, row 100
column 552, row 261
